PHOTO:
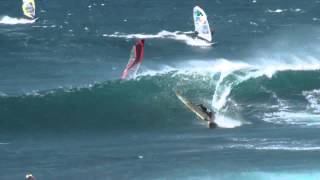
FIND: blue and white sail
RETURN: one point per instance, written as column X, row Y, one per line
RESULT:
column 201, row 24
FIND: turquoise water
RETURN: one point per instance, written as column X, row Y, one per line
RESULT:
column 65, row 114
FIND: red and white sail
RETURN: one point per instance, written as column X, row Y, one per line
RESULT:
column 135, row 60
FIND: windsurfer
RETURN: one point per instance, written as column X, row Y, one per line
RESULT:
column 29, row 176
column 210, row 113
column 195, row 35
column 135, row 60
column 28, row 8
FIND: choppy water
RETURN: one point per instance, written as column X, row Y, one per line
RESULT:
column 64, row 113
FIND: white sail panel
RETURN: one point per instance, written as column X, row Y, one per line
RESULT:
column 201, row 24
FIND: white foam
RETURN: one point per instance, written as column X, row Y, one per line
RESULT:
column 283, row 115
column 276, row 10
column 315, row 19
column 270, row 66
column 293, row 118
column 313, row 98
column 275, row 146
column 284, row 144
column 226, row 122
column 191, row 67
column 176, row 35
column 296, row 10
column 12, row 21
column 288, row 148
column 223, row 89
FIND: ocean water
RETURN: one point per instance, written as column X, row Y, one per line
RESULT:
column 65, row 113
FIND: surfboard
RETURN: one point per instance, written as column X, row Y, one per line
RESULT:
column 201, row 24
column 29, row 8
column 135, row 60
column 193, row 107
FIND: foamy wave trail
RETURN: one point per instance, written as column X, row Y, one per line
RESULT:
column 278, row 11
column 284, row 144
column 224, row 121
column 12, row 21
column 176, row 35
column 293, row 118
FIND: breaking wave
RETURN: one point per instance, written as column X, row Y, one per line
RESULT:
column 239, row 92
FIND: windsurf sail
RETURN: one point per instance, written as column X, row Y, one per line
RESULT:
column 193, row 108
column 201, row 24
column 29, row 8
column 135, row 60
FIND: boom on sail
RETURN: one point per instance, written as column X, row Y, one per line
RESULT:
column 201, row 24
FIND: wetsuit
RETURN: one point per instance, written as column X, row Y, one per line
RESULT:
column 205, row 110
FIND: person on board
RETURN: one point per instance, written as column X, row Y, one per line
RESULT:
column 139, row 53
column 210, row 113
column 29, row 10
column 29, row 176
column 137, row 58
column 195, row 34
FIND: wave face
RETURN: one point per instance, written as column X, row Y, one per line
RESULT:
column 240, row 94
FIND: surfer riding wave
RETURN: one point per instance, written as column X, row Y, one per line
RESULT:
column 202, row 112
column 210, row 113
